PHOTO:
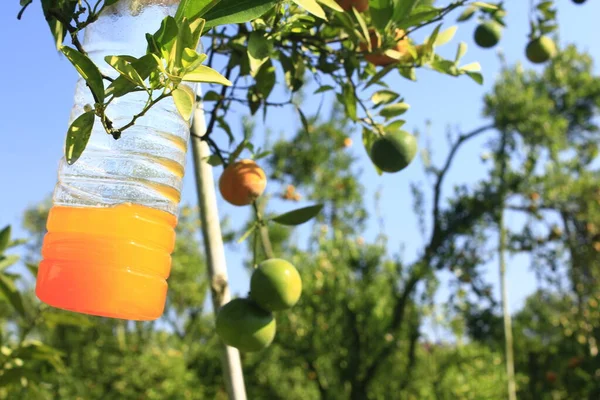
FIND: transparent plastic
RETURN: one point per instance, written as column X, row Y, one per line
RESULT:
column 111, row 227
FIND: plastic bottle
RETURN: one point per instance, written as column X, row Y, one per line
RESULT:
column 111, row 228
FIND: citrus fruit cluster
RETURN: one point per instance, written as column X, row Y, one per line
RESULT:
column 248, row 323
column 540, row 48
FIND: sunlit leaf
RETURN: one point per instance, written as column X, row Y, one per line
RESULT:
column 78, row 136
column 194, row 8
column 206, row 74
column 312, row 7
column 88, row 71
column 394, row 110
column 184, row 98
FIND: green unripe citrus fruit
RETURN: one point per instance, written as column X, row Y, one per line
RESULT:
column 275, row 285
column 394, row 151
column 540, row 50
column 243, row 324
column 488, row 34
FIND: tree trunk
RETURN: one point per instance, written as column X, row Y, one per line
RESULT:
column 215, row 252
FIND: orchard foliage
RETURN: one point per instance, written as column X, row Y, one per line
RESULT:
column 256, row 43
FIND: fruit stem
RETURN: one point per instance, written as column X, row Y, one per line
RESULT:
column 263, row 231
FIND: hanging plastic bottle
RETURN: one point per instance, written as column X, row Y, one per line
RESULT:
column 111, row 228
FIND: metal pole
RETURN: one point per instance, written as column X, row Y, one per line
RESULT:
column 215, row 252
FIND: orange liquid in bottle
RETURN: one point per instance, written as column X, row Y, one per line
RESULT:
column 110, row 262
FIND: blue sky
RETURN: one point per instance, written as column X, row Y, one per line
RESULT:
column 38, row 95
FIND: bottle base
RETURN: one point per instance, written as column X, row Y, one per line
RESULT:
column 101, row 291
column 111, row 262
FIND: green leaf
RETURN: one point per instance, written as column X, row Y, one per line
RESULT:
column 7, row 261
column 460, row 51
column 213, row 160
column 259, row 50
column 445, row 36
column 312, row 7
column 363, row 27
column 260, row 155
column 237, row 11
column 303, row 120
column 88, row 71
column 332, row 4
column 485, row 6
column 384, row 97
column 379, row 75
column 322, row 89
column 418, row 18
column 17, row 242
column 466, row 14
column 402, row 9
column 78, row 136
column 206, row 74
column 430, row 41
column 265, row 79
column 4, row 238
column 476, row 76
column 123, row 85
column 197, row 27
column 166, row 36
column 32, row 268
column 259, row 46
column 211, row 95
column 348, row 99
column 238, row 150
column 247, row 233
column 408, row 73
column 395, row 125
column 191, row 60
column 124, row 67
column 184, row 98
column 57, row 28
column 472, row 67
column 380, row 13
column 444, row 66
column 9, row 290
column 298, row 216
column 393, row 110
column 194, row 8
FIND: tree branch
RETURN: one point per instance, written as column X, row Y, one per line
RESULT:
column 442, row 174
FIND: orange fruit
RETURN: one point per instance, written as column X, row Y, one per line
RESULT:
column 242, row 182
column 488, row 34
column 540, row 50
column 394, row 151
column 360, row 5
column 376, row 56
column 244, row 325
column 551, row 376
column 275, row 285
column 534, row 196
column 347, row 142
